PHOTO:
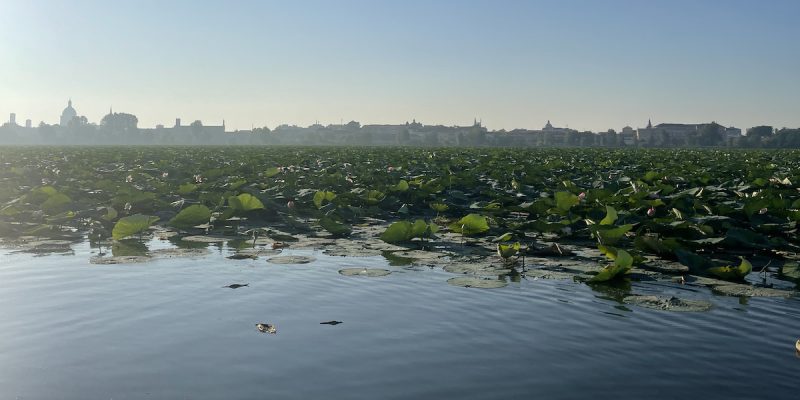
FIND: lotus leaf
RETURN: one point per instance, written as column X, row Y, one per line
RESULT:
column 732, row 273
column 323, row 196
column 245, row 202
column 191, row 216
column 401, row 186
column 397, row 232
column 131, row 225
column 471, row 224
column 623, row 262
column 566, row 200
column 508, row 250
column 611, row 216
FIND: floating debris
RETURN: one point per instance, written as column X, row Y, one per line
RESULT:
column 236, row 285
column 668, row 303
column 369, row 272
column 339, row 322
column 291, row 260
column 266, row 328
column 476, row 282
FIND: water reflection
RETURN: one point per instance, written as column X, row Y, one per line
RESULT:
column 128, row 248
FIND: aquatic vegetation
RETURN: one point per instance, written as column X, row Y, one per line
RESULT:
column 703, row 209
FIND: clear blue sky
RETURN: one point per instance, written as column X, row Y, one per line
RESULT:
column 586, row 64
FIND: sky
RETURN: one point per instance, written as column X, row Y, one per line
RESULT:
column 585, row 64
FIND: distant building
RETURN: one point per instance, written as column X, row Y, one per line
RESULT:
column 12, row 119
column 28, row 123
column 68, row 114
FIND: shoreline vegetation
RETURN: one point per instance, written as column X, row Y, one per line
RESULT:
column 717, row 218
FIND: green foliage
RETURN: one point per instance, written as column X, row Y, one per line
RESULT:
column 507, row 251
column 623, row 262
column 611, row 216
column 470, row 225
column 732, row 273
column 565, row 201
column 186, row 188
column 245, row 202
column 322, row 197
column 191, row 216
column 404, row 231
column 271, row 172
column 132, row 225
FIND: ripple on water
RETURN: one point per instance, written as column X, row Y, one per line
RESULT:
column 167, row 328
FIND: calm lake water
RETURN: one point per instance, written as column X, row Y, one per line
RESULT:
column 168, row 330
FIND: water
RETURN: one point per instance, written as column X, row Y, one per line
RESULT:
column 167, row 329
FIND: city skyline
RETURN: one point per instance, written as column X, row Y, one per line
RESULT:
column 510, row 64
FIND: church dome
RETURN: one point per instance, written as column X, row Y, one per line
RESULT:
column 68, row 114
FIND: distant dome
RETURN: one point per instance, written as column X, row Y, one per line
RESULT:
column 68, row 114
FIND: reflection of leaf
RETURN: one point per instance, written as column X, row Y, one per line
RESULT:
column 127, row 248
column 245, row 202
column 132, row 225
column 732, row 273
column 472, row 224
column 195, row 214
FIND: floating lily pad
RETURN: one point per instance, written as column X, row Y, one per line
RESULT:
column 476, row 282
column 206, row 239
column 119, row 260
column 744, row 290
column 369, row 272
column 291, row 260
column 475, row 269
column 668, row 303
column 354, row 251
column 545, row 274
column 179, row 253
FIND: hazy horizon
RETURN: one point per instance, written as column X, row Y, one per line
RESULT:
column 583, row 64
